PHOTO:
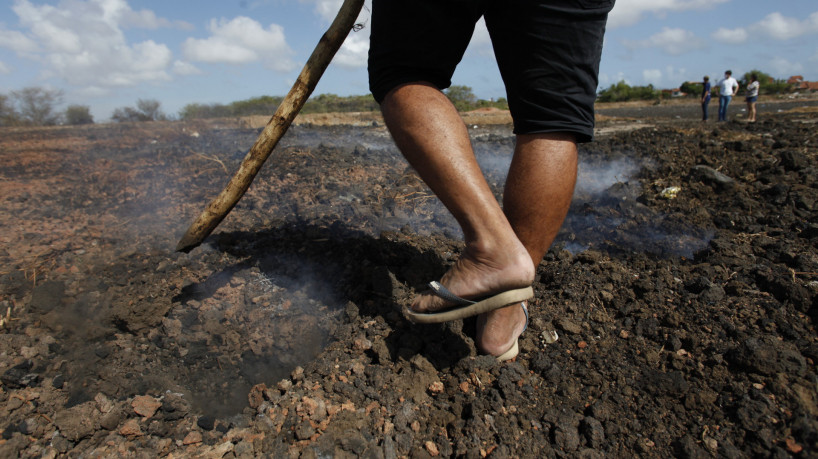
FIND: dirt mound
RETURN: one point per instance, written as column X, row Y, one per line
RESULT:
column 682, row 293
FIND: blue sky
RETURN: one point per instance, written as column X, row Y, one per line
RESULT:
column 110, row 53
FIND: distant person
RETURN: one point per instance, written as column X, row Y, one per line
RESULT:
column 727, row 87
column 752, row 97
column 705, row 96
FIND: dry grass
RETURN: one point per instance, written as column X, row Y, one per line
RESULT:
column 481, row 117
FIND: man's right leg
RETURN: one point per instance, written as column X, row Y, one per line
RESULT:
column 431, row 135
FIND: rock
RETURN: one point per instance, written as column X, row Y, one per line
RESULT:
column 174, row 406
column 362, row 344
column 284, row 385
column 192, row 438
column 29, row 352
column 111, row 420
column 593, row 432
column 206, row 422
column 131, row 428
column 14, row 446
column 436, row 387
column 698, row 284
column 61, row 444
column 687, row 448
column 47, row 296
column 752, row 414
column 712, row 294
column 566, row 437
column 172, row 327
column 794, row 161
column 431, row 447
column 256, row 395
column 759, row 357
column 77, row 422
column 671, row 383
column 145, row 405
column 20, row 376
column 244, row 449
column 569, row 326
column 712, row 177
column 104, row 404
column 304, row 430
column 222, row 449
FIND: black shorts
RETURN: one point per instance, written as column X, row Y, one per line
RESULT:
column 548, row 53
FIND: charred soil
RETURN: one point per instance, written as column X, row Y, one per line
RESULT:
column 675, row 315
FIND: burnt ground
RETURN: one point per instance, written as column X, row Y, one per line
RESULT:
column 681, row 293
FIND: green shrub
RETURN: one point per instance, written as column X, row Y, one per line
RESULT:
column 78, row 114
column 621, row 92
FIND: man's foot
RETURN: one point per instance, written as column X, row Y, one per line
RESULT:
column 498, row 330
column 481, row 273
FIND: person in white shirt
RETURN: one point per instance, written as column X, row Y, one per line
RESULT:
column 752, row 97
column 727, row 87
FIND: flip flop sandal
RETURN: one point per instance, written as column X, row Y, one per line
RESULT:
column 515, row 348
column 466, row 308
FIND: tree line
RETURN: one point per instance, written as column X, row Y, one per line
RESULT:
column 622, row 92
column 462, row 97
column 36, row 106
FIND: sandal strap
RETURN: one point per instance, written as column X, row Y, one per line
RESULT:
column 441, row 291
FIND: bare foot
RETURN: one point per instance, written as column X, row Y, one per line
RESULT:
column 497, row 330
column 480, row 273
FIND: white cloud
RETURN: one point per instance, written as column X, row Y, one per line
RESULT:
column 775, row 26
column 480, row 43
column 778, row 27
column 17, row 42
column 731, row 36
column 652, row 76
column 82, row 42
column 4, row 69
column 784, row 67
column 185, row 68
column 672, row 41
column 670, row 77
column 241, row 40
column 355, row 50
column 629, row 12
column 326, row 9
column 606, row 80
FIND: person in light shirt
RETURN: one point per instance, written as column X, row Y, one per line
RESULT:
column 752, row 97
column 727, row 87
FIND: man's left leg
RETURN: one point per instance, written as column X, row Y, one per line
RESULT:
column 536, row 199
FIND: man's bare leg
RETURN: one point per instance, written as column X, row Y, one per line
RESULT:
column 536, row 199
column 431, row 135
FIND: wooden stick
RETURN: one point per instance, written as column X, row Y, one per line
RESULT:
column 329, row 44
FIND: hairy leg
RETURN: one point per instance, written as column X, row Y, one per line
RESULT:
column 537, row 197
column 433, row 138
